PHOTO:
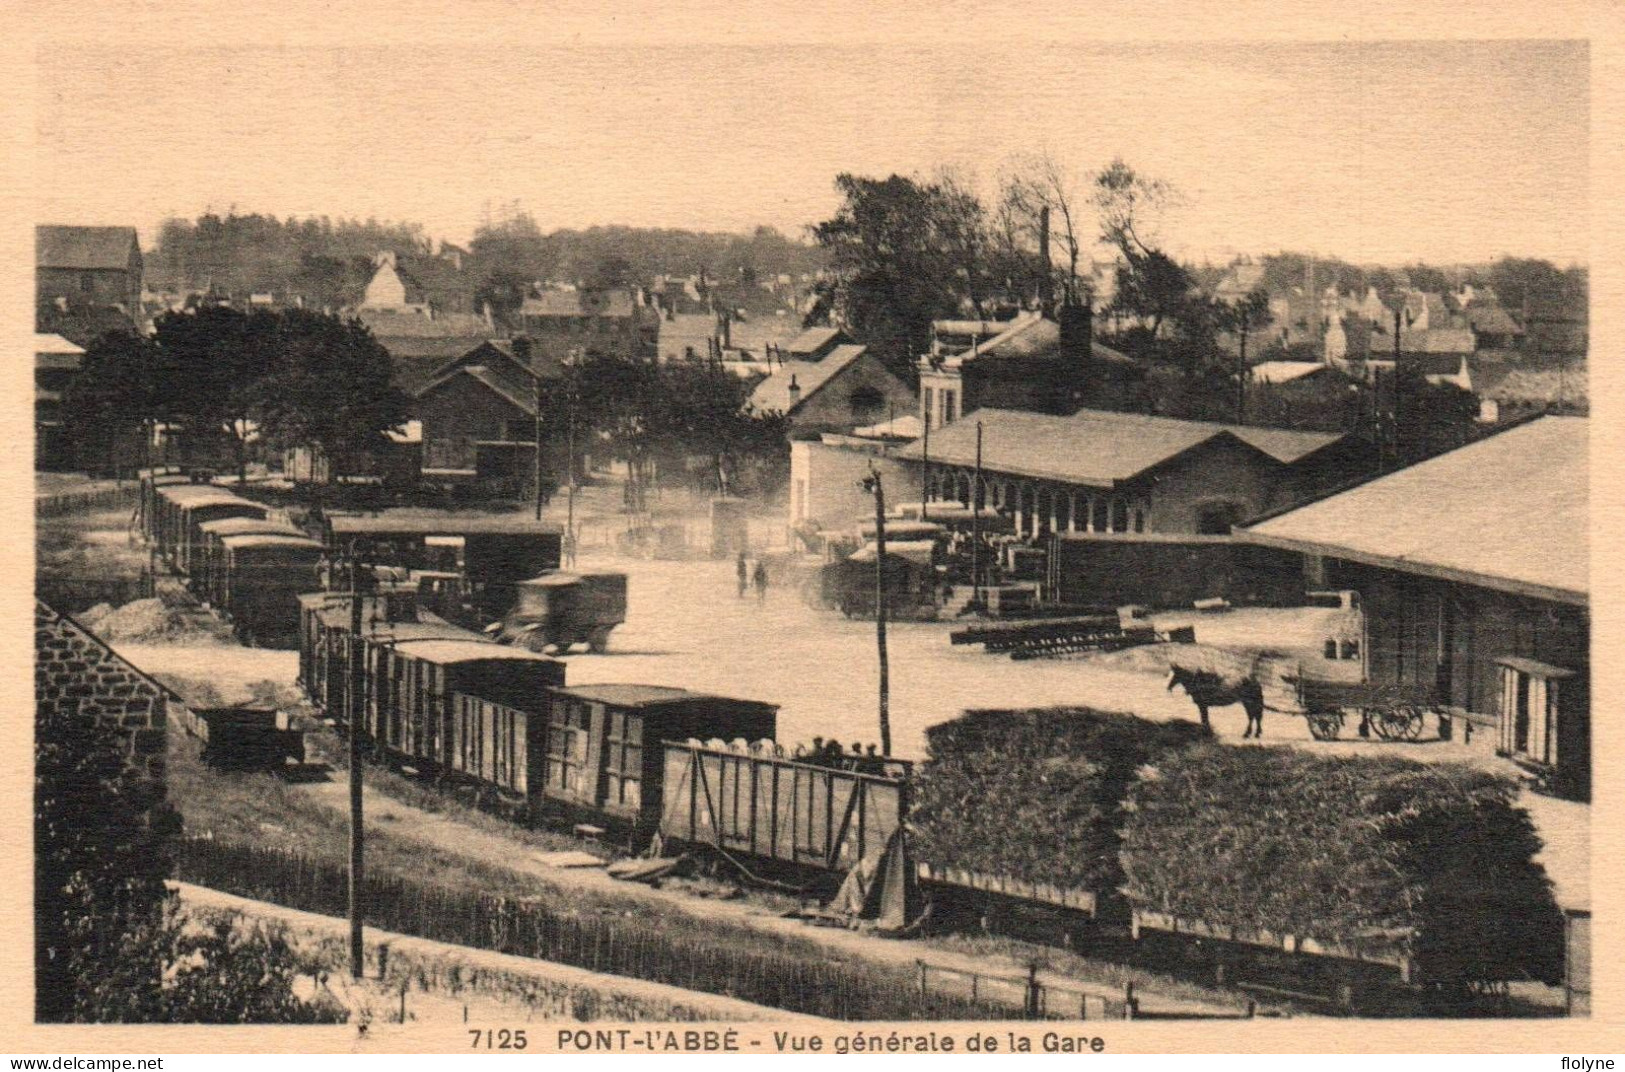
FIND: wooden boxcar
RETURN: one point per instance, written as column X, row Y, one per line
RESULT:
column 604, row 756
column 208, row 577
column 754, row 800
column 262, row 576
column 414, row 690
column 181, row 509
column 246, row 738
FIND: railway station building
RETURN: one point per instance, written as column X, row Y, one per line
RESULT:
column 1473, row 571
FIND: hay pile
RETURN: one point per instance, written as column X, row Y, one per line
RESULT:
column 147, row 621
column 1374, row 852
column 1034, row 794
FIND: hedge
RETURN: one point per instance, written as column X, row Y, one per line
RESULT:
column 1379, row 854
column 1034, row 794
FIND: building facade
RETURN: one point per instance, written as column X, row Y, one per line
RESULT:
column 88, row 267
column 1473, row 571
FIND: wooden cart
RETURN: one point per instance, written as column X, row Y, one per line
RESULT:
column 1395, row 712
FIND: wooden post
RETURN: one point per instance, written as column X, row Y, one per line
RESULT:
column 1033, row 1001
column 921, row 965
column 880, row 606
column 976, row 493
column 1129, row 1001
column 357, row 708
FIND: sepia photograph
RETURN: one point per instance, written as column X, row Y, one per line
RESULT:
column 540, row 537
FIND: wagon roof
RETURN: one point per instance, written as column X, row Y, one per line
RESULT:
column 619, row 695
column 238, row 526
column 473, row 649
column 442, row 524
column 244, row 540
column 191, row 497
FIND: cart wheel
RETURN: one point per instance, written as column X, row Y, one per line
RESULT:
column 1413, row 722
column 1378, row 718
column 1325, row 725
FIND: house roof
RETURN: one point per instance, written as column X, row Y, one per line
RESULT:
column 1488, row 317
column 519, row 395
column 772, row 395
column 389, row 327
column 1508, row 512
column 1431, row 341
column 908, row 426
column 1509, row 383
column 58, row 246
column 811, row 340
column 1095, row 447
column 616, row 303
column 1035, row 336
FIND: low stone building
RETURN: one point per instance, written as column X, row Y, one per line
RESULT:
column 76, row 676
column 845, row 389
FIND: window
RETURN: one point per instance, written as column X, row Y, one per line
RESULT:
column 866, row 403
column 928, row 400
column 950, row 400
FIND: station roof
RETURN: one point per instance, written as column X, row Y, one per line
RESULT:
column 195, row 495
column 1094, row 447
column 1509, row 513
column 471, row 650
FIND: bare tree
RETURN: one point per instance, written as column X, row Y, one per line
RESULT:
column 1128, row 205
column 1033, row 183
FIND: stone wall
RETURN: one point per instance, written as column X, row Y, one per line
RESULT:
column 77, row 676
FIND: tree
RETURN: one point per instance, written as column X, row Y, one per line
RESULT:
column 1128, row 206
column 897, row 246
column 1038, row 183
column 114, row 392
column 208, row 365
column 327, row 385
column 613, row 272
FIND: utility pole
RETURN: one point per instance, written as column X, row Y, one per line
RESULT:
column 1241, row 371
column 358, row 682
column 925, row 485
column 535, row 376
column 976, row 526
column 570, row 439
column 873, row 484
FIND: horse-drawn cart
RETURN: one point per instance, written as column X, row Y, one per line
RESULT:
column 1395, row 712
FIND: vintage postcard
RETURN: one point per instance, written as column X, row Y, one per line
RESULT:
column 927, row 531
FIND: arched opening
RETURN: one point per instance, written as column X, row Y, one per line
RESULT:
column 1216, row 517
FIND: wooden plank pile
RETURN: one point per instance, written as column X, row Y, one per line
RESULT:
column 1049, row 638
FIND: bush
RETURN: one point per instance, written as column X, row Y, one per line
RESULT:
column 1034, row 795
column 1370, row 853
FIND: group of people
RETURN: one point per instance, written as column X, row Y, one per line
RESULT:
column 822, row 753
column 749, row 578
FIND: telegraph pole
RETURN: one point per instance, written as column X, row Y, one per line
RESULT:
column 925, row 485
column 976, row 526
column 535, row 375
column 880, row 606
column 358, row 680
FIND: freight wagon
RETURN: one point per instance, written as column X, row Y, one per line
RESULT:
column 261, row 576
column 604, row 757
column 207, row 577
column 178, row 512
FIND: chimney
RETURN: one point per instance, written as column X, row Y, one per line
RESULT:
column 795, row 391
column 490, row 321
column 1046, row 282
column 1077, row 352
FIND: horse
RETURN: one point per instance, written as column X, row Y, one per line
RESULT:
column 1207, row 689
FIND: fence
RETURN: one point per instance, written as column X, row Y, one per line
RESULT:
column 787, row 977
column 1036, row 1000
column 73, row 502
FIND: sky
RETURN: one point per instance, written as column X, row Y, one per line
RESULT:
column 1375, row 152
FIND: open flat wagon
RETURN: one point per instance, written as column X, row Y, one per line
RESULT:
column 1394, row 711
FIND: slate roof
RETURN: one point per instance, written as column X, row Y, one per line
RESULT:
column 811, row 340
column 58, row 246
column 521, row 395
column 772, row 395
column 1033, row 337
column 388, row 327
column 1488, row 317
column 1508, row 513
column 1095, row 447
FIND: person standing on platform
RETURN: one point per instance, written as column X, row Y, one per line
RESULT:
column 760, row 579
